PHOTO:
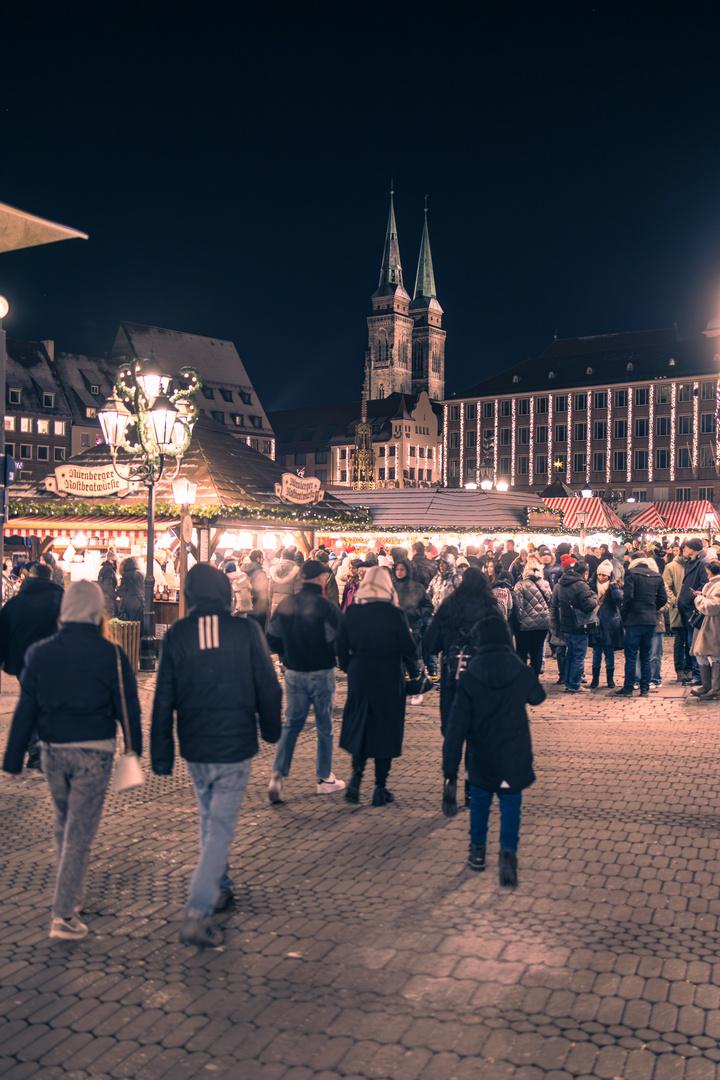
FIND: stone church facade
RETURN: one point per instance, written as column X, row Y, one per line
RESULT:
column 406, row 342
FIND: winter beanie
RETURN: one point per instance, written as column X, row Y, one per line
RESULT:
column 83, row 603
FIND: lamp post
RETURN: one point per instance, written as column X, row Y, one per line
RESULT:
column 582, row 518
column 150, row 423
column 709, row 521
column 184, row 495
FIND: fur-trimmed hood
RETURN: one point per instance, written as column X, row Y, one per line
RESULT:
column 284, row 571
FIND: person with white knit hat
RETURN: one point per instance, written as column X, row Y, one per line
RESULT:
column 373, row 643
column 608, row 636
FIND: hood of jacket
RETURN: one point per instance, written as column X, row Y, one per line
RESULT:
column 570, row 577
column 129, row 564
column 503, row 581
column 207, row 590
column 284, row 571
column 643, row 566
column 402, row 560
column 494, row 667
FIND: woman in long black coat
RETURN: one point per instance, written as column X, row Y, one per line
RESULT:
column 373, row 641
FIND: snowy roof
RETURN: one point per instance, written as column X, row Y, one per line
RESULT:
column 29, row 369
column 78, row 375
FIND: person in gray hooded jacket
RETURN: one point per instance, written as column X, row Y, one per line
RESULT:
column 284, row 579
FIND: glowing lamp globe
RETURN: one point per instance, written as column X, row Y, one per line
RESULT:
column 4, row 307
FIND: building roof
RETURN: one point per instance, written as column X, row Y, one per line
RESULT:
column 425, row 294
column 77, row 375
column 603, row 360
column 30, row 370
column 443, row 508
column 325, row 425
column 217, row 362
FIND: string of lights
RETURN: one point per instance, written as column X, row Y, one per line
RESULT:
column 717, row 428
column 550, row 436
column 673, row 423
column 651, row 432
column 532, row 441
column 445, row 443
column 608, row 438
column 628, row 433
column 478, row 442
column 496, row 449
column 588, row 437
column 513, row 425
column 568, row 434
column 696, row 426
column 462, row 444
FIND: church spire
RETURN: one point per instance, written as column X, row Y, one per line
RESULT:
column 391, row 279
column 425, row 278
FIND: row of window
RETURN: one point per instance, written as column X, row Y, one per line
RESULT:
column 15, row 398
column 640, row 461
column 25, row 425
column 321, row 457
column 238, row 419
column 663, row 396
column 391, row 451
column 391, row 474
column 227, row 395
column 641, row 426
column 42, row 453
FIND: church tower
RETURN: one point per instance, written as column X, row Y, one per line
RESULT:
column 390, row 327
column 428, row 337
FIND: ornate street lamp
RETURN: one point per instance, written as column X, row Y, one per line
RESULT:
column 149, row 422
column 582, row 518
column 184, row 495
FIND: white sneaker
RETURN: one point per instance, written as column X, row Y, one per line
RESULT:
column 68, row 929
column 654, row 686
column 327, row 787
column 416, row 699
column 275, row 788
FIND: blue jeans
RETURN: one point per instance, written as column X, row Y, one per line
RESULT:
column 510, row 805
column 577, row 646
column 303, row 689
column 219, row 790
column 78, row 780
column 638, row 639
column 656, row 655
column 608, row 652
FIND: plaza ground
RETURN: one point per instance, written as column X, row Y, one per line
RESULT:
column 361, row 947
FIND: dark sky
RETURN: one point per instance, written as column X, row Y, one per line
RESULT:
column 231, row 164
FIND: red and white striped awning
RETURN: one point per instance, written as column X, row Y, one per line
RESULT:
column 600, row 518
column 102, row 528
column 679, row 517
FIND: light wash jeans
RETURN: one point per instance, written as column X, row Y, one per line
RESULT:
column 656, row 656
column 219, row 790
column 78, row 780
column 303, row 689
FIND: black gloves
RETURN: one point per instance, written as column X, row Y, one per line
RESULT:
column 449, row 801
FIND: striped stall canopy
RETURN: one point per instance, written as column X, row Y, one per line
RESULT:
column 102, row 528
column 679, row 517
column 600, row 517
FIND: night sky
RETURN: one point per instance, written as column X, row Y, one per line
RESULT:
column 232, row 165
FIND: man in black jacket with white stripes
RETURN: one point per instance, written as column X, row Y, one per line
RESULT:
column 217, row 676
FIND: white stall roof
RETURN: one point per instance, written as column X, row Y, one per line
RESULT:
column 428, row 508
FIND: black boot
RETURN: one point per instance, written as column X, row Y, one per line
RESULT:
column 381, row 796
column 610, row 677
column 595, row 679
column 476, row 858
column 508, row 869
column 352, row 791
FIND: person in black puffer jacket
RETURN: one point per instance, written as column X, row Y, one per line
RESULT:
column 490, row 714
column 572, row 595
column 107, row 580
column 423, row 569
column 71, row 693
column 131, row 594
column 643, row 596
column 532, row 612
column 217, row 676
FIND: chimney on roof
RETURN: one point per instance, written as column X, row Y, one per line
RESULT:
column 49, row 347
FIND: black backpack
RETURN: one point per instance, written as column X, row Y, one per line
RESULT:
column 462, row 651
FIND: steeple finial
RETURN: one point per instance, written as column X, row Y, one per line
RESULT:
column 391, row 279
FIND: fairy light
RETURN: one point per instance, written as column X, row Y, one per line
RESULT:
column 628, row 433
column 445, row 443
column 588, row 437
column 550, row 438
column 651, row 433
column 532, row 441
column 462, row 444
column 513, row 424
column 673, row 421
column 696, row 425
column 496, row 449
column 608, row 439
column 272, row 449
column 568, row 435
column 717, row 426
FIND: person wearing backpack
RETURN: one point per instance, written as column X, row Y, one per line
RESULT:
column 454, row 633
column 489, row 713
column 532, row 612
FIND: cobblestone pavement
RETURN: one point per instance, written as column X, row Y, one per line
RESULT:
column 361, row 947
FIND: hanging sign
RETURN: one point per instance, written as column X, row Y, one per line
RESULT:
column 90, row 483
column 299, row 489
column 542, row 519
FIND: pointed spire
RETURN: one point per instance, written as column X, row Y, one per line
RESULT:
column 425, row 278
column 391, row 279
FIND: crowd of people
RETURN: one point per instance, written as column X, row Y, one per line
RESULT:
column 481, row 624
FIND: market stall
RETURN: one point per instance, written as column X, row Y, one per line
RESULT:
column 679, row 518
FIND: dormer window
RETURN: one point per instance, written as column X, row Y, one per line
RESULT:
column 94, row 389
column 516, row 378
column 48, row 401
column 589, row 371
column 671, row 363
column 245, row 397
column 90, row 414
column 14, row 396
column 630, row 367
column 208, row 392
column 552, row 375
column 226, row 395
